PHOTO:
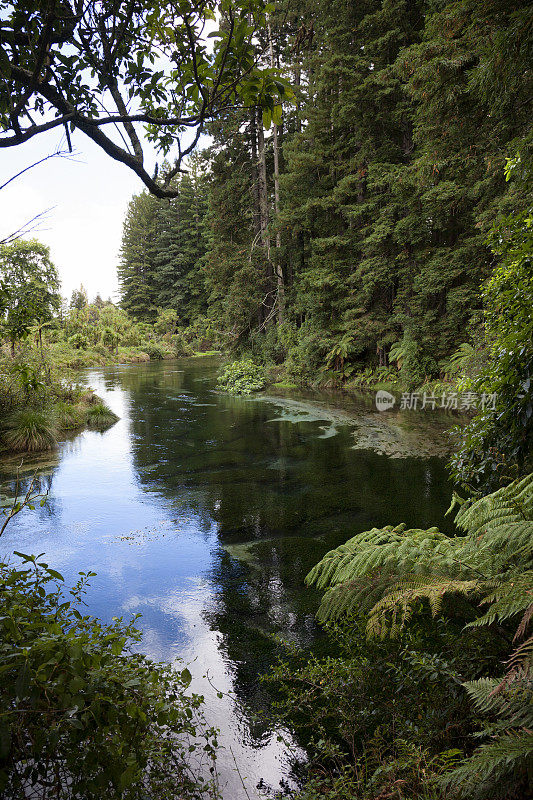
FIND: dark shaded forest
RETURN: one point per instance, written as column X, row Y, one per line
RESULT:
column 353, row 230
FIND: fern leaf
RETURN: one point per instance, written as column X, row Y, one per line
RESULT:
column 493, row 763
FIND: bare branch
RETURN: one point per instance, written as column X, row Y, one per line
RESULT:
column 28, row 227
column 57, row 153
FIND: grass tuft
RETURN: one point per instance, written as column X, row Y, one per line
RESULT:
column 69, row 417
column 30, row 431
column 99, row 416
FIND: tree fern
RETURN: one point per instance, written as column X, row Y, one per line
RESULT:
column 486, row 773
column 484, row 575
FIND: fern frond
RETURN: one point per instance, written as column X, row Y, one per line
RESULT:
column 512, row 503
column 352, row 598
column 392, row 573
column 482, row 692
column 510, row 598
column 502, row 759
column 409, row 595
column 393, row 551
column 520, row 672
column 489, row 560
column 524, row 622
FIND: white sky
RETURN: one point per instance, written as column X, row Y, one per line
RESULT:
column 89, row 195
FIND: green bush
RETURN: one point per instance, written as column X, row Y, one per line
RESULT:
column 496, row 446
column 29, row 430
column 364, row 742
column 400, row 578
column 156, row 351
column 79, row 341
column 180, row 345
column 81, row 716
column 414, row 365
column 242, row 377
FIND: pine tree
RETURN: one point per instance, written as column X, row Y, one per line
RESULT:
column 236, row 269
column 137, row 270
column 181, row 246
column 163, row 245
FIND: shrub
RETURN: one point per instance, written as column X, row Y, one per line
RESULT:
column 242, row 377
column 414, row 365
column 180, row 345
column 154, row 350
column 81, row 716
column 29, row 430
column 79, row 341
column 100, row 416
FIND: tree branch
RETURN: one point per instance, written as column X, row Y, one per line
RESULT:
column 58, row 153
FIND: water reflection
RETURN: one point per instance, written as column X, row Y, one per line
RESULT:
column 204, row 512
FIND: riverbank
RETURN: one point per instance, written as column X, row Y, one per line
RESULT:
column 385, row 392
column 68, row 357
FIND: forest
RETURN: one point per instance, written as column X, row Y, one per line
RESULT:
column 343, row 204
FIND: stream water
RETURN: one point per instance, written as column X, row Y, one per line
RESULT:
column 203, row 513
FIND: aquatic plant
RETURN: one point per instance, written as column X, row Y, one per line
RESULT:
column 242, row 377
column 30, row 430
column 100, row 416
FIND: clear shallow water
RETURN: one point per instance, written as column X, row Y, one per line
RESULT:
column 204, row 512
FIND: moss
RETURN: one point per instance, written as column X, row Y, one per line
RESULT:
column 285, row 385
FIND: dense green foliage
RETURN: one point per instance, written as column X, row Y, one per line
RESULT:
column 380, row 718
column 484, row 577
column 391, row 174
column 32, row 289
column 81, row 714
column 497, row 446
column 242, row 377
column 38, row 405
column 38, row 400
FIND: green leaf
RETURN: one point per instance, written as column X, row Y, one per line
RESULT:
column 55, row 574
column 267, row 118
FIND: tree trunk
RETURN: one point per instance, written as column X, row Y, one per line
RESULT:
column 263, row 188
column 256, row 178
column 277, row 265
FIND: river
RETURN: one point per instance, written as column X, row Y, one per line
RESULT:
column 203, row 513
